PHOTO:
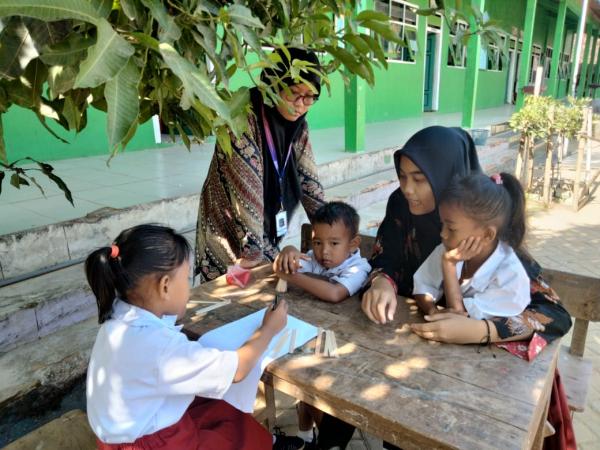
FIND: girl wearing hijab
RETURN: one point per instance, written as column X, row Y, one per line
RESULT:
column 249, row 197
column 410, row 231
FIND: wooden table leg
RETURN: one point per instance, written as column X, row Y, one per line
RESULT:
column 270, row 410
column 538, row 442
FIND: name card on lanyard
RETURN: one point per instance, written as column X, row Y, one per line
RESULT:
column 281, row 217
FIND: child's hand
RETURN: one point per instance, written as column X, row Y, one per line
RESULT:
column 467, row 249
column 275, row 320
column 288, row 260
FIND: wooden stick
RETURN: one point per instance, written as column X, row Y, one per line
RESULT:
column 214, row 305
column 333, row 346
column 281, row 286
column 292, row 341
column 318, row 344
column 280, row 343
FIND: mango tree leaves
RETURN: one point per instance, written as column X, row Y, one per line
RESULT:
column 105, row 59
column 123, row 104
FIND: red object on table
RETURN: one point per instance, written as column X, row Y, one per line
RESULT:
column 237, row 275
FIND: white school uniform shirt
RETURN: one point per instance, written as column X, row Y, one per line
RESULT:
column 499, row 288
column 144, row 373
column 351, row 273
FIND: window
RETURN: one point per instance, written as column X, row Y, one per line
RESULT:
column 457, row 53
column 536, row 56
column 494, row 55
column 403, row 21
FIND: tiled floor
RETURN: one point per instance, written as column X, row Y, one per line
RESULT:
column 149, row 175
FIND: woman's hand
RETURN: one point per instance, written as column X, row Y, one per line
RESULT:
column 467, row 249
column 248, row 263
column 454, row 329
column 379, row 302
column 288, row 260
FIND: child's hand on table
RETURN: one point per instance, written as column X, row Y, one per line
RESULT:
column 288, row 260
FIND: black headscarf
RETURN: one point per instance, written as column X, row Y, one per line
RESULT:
column 284, row 133
column 441, row 153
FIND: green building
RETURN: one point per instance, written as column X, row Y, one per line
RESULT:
column 432, row 73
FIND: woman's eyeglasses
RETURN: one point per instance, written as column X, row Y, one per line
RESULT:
column 293, row 98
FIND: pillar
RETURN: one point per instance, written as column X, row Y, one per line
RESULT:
column 526, row 52
column 472, row 74
column 559, row 37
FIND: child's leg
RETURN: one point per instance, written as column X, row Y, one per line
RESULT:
column 307, row 417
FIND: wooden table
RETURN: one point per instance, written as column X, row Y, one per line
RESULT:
column 388, row 381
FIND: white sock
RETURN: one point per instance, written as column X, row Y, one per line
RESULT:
column 307, row 435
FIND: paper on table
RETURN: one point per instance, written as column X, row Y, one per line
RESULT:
column 231, row 336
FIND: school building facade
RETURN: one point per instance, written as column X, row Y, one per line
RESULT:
column 431, row 73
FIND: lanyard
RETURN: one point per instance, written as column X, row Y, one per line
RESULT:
column 272, row 151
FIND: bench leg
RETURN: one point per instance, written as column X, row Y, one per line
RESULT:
column 269, row 405
column 579, row 335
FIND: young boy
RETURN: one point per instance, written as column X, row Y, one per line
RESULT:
column 333, row 270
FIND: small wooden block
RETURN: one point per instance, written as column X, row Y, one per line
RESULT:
column 281, row 286
column 333, row 345
column 576, row 373
column 214, row 305
column 330, row 344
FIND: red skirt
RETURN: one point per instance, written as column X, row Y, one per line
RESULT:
column 206, row 425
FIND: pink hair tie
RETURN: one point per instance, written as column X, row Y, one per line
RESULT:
column 114, row 251
column 497, row 178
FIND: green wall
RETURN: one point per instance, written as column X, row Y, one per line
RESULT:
column 25, row 136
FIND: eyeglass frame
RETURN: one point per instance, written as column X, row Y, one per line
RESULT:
column 296, row 97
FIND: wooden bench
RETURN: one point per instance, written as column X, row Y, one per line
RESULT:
column 581, row 297
column 579, row 294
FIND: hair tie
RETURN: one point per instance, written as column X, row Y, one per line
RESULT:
column 114, row 251
column 497, row 178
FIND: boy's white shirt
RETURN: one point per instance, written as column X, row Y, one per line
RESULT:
column 499, row 288
column 351, row 273
column 144, row 373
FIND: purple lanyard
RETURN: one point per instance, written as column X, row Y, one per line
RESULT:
column 271, row 145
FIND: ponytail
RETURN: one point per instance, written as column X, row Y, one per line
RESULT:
column 514, row 228
column 138, row 251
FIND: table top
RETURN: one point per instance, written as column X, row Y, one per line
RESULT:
column 409, row 391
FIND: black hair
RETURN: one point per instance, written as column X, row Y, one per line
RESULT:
column 338, row 212
column 142, row 250
column 497, row 200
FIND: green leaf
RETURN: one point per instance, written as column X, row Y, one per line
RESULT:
column 68, row 52
column 375, row 48
column 123, row 103
column 131, row 9
column 102, row 7
column 60, row 80
column 195, row 82
column 239, row 100
column 62, row 186
column 16, row 48
column 427, row 11
column 169, row 31
column 50, row 10
column 242, row 15
column 357, row 42
column 224, row 140
column 384, row 30
column 105, row 59
column 17, row 181
column 372, row 15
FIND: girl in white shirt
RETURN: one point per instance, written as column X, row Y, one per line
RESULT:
column 148, row 386
column 475, row 267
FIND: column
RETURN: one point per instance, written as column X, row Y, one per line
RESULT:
column 526, row 52
column 559, row 37
column 472, row 71
column 584, row 64
column 354, row 115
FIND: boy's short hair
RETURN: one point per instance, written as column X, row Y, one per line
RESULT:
column 338, row 212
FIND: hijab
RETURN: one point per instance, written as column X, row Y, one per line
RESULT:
column 284, row 133
column 441, row 153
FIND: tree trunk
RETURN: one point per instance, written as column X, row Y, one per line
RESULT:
column 520, row 157
column 530, row 149
column 547, row 193
column 580, row 154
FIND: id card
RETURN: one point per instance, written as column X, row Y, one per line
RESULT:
column 281, row 223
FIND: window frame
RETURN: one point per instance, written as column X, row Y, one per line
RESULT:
column 402, row 54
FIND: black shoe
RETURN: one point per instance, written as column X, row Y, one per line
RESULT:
column 283, row 442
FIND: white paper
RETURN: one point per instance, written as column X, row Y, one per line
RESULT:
column 233, row 335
